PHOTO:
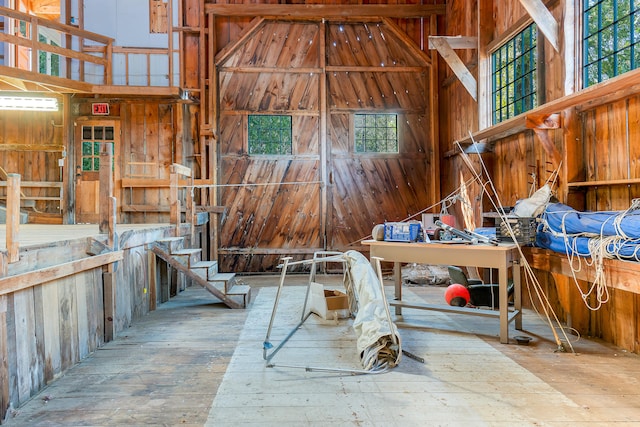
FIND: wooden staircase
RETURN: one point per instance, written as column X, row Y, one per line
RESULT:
column 205, row 273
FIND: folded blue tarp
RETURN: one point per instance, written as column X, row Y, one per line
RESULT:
column 564, row 230
column 628, row 249
column 600, row 223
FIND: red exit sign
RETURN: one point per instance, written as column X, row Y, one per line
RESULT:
column 100, row 108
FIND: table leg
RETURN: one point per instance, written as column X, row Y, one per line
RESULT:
column 504, row 305
column 397, row 275
column 517, row 294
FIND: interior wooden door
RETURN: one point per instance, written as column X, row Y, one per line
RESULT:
column 89, row 135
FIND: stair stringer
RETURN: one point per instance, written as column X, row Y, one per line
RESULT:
column 166, row 256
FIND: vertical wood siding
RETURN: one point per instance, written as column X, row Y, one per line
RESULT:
column 277, row 72
column 28, row 129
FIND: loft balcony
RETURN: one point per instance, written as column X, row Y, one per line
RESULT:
column 39, row 55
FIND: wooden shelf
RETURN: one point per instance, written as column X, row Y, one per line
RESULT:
column 621, row 275
column 628, row 181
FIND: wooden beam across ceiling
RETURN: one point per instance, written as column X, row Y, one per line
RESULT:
column 544, row 19
column 51, row 83
column 326, row 11
column 444, row 48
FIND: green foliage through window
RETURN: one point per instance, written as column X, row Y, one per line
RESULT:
column 48, row 63
column 611, row 39
column 92, row 136
column 514, row 75
column 376, row 133
column 270, row 134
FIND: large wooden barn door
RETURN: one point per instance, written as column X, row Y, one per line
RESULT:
column 319, row 193
column 89, row 135
column 381, row 153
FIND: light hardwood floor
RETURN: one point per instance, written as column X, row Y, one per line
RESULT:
column 195, row 362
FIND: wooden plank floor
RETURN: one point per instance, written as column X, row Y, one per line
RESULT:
column 196, row 362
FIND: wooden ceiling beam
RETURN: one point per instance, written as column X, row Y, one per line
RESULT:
column 326, row 11
column 52, row 83
column 441, row 44
column 544, row 19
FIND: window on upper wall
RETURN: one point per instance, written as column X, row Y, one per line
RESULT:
column 611, row 39
column 270, row 134
column 514, row 75
column 376, row 133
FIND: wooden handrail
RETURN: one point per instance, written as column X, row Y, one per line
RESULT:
column 69, row 29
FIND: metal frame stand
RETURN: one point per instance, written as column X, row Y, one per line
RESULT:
column 318, row 258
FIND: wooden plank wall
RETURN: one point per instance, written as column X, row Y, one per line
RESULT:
column 287, row 217
column 607, row 149
column 49, row 327
column 151, row 140
column 31, row 145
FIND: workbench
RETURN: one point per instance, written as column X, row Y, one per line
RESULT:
column 501, row 257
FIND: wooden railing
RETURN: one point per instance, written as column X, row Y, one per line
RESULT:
column 89, row 60
column 31, row 35
column 40, row 186
column 158, row 67
column 176, row 199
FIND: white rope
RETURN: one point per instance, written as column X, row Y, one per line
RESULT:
column 448, row 200
column 531, row 280
column 600, row 247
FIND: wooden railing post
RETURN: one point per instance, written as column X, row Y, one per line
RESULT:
column 106, row 190
column 191, row 211
column 13, row 216
column 174, row 201
column 175, row 209
column 108, row 71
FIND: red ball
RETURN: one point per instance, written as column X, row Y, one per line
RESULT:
column 457, row 295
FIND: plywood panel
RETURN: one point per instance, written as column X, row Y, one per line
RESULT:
column 25, row 343
column 4, row 357
column 50, row 312
column 68, row 322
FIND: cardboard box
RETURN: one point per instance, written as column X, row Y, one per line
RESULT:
column 328, row 304
column 336, row 300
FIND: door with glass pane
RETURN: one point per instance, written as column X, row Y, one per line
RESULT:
column 89, row 135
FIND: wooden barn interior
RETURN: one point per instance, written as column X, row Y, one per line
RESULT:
column 174, row 145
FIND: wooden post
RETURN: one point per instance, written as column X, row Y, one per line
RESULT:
column 13, row 216
column 174, row 202
column 191, row 212
column 111, row 240
column 106, row 185
column 109, row 300
column 152, row 270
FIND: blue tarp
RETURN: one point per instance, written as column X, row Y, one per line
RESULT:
column 559, row 219
column 600, row 223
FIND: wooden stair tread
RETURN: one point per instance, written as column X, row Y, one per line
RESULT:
column 239, row 290
column 169, row 239
column 186, row 251
column 204, row 264
column 222, row 277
